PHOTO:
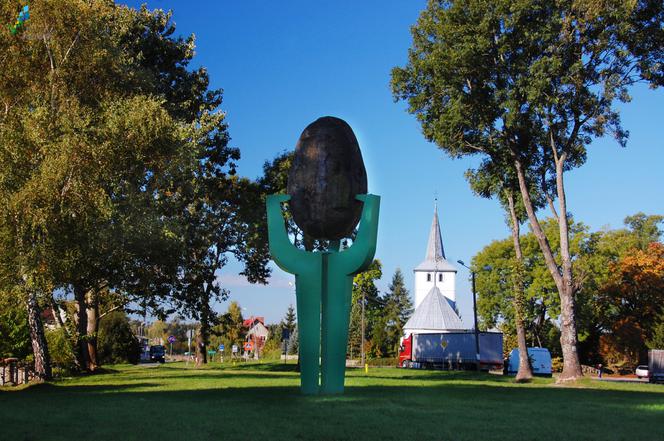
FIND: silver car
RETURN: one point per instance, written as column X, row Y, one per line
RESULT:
column 642, row 371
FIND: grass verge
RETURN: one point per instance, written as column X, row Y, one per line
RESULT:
column 262, row 401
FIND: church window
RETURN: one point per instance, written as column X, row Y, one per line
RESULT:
column 428, row 277
column 440, row 277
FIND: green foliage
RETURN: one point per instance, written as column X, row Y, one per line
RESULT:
column 496, row 287
column 595, row 255
column 230, row 329
column 633, row 305
column 116, row 172
column 272, row 350
column 657, row 339
column 489, row 76
column 290, row 319
column 116, row 342
column 60, row 349
column 397, row 311
column 294, row 342
column 383, row 362
column 14, row 331
column 556, row 364
column 528, row 85
column 365, row 291
column 645, row 229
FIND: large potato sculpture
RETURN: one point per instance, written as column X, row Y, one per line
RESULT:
column 326, row 175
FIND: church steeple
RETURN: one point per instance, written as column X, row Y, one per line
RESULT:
column 435, row 271
column 435, row 250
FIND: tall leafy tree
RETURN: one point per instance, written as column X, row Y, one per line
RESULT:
column 15, row 341
column 540, row 304
column 597, row 258
column 531, row 84
column 397, row 311
column 290, row 319
column 365, row 298
column 232, row 330
column 495, row 180
column 633, row 299
column 123, row 165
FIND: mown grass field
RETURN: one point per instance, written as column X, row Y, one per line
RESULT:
column 262, row 402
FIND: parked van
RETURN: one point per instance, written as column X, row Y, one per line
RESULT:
column 540, row 360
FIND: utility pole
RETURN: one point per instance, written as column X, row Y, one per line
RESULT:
column 362, row 339
column 477, row 332
column 477, row 335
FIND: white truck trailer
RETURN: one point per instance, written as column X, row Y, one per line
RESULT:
column 656, row 365
column 451, row 350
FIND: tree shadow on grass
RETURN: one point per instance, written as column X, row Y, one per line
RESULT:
column 57, row 387
column 265, row 367
column 442, row 376
column 436, row 411
column 239, row 366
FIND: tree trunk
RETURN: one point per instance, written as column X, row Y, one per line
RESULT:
column 56, row 313
column 525, row 372
column 39, row 346
column 92, row 314
column 204, row 340
column 568, row 340
column 81, row 329
column 200, row 350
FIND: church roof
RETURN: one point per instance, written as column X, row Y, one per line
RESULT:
column 435, row 256
column 434, row 313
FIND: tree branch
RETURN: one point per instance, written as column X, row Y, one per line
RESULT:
column 71, row 46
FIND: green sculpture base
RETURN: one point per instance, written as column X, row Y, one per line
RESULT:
column 324, row 285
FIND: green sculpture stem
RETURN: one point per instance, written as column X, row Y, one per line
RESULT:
column 324, row 284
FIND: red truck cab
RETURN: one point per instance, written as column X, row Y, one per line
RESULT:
column 405, row 351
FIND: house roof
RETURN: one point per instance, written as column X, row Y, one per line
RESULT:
column 434, row 259
column 258, row 329
column 247, row 323
column 436, row 312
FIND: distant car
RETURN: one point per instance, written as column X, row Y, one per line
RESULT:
column 158, row 354
column 641, row 371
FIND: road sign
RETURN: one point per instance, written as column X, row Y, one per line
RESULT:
column 222, row 347
column 249, row 346
column 171, row 339
column 235, row 349
column 212, row 352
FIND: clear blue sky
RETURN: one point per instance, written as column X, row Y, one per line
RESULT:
column 284, row 64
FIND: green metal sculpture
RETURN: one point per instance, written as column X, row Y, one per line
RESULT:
column 324, row 283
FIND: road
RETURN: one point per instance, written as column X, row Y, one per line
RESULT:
column 624, row 379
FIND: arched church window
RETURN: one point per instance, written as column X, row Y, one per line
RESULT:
column 440, row 277
column 428, row 277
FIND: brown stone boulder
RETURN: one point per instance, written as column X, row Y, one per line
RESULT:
column 326, row 175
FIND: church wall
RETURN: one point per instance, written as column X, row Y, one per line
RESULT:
column 422, row 286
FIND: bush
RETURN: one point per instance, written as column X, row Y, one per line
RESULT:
column 63, row 358
column 382, row 362
column 557, row 364
column 657, row 340
column 14, row 332
column 116, row 342
column 272, row 350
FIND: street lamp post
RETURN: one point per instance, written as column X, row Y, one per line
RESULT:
column 477, row 335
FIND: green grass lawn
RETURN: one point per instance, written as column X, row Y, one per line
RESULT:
column 262, row 402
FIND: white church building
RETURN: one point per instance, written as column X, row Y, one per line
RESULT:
column 435, row 289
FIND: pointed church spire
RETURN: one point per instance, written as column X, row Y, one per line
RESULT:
column 435, row 250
